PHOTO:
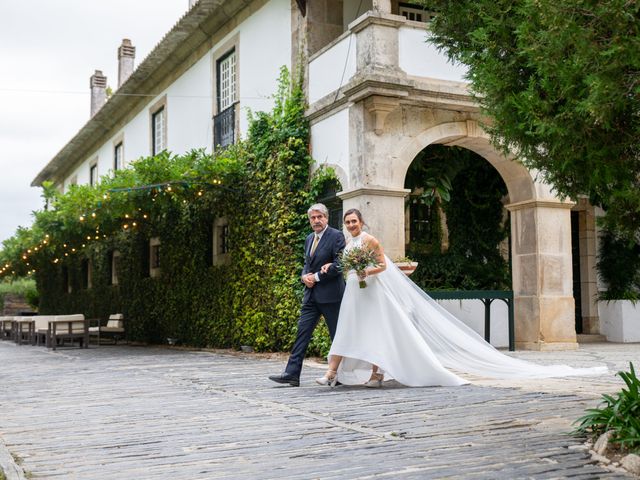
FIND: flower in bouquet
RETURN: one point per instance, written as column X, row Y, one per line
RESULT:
column 358, row 259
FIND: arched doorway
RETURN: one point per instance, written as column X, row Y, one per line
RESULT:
column 540, row 222
column 540, row 238
column 456, row 225
column 329, row 197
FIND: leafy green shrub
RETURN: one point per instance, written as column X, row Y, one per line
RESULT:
column 24, row 287
column 619, row 267
column 619, row 413
column 469, row 192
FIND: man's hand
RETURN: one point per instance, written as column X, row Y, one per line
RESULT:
column 309, row 280
column 325, row 267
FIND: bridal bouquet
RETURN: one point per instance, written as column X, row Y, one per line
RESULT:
column 358, row 259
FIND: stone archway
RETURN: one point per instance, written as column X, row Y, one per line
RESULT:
column 540, row 226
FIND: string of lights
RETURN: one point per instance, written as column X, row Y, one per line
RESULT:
column 129, row 221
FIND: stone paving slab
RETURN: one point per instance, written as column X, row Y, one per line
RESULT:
column 122, row 412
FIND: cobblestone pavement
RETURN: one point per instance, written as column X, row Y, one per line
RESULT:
column 124, row 412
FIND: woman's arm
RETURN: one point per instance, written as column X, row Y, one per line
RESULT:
column 373, row 243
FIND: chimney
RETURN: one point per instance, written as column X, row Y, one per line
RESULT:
column 126, row 56
column 98, row 85
column 192, row 3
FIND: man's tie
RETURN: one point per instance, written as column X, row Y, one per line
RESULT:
column 316, row 239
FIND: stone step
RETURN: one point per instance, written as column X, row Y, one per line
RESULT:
column 591, row 338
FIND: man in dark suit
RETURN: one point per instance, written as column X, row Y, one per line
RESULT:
column 323, row 291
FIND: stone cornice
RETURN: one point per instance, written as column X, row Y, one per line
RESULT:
column 394, row 83
column 512, row 207
column 378, row 191
column 189, row 39
column 376, row 18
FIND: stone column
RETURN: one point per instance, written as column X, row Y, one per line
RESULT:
column 542, row 275
column 383, row 6
column 126, row 59
column 377, row 45
column 383, row 213
column 98, row 86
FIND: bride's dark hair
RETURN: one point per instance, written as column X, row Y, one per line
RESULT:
column 353, row 211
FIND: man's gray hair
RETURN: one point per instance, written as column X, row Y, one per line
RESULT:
column 319, row 207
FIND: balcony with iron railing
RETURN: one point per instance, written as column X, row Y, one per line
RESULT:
column 224, row 127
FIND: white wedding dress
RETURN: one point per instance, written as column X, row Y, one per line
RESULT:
column 393, row 324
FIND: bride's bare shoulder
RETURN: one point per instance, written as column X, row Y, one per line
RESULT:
column 370, row 240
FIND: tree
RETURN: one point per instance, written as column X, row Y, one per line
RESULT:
column 560, row 84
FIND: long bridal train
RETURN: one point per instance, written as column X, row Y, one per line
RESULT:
column 393, row 324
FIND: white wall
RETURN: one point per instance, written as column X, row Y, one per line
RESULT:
column 326, row 70
column 422, row 59
column 189, row 111
column 264, row 46
column 471, row 312
column 330, row 142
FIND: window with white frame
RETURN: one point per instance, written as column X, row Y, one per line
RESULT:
column 158, row 123
column 72, row 181
column 93, row 174
column 86, row 268
column 66, row 280
column 220, row 241
column 226, row 75
column 115, row 266
column 415, row 13
column 118, row 157
column 154, row 257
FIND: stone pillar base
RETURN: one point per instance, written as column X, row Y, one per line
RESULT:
column 547, row 347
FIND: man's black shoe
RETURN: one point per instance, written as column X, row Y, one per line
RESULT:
column 285, row 378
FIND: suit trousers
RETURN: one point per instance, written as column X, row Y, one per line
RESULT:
column 309, row 317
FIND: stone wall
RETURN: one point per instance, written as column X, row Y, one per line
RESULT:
column 14, row 305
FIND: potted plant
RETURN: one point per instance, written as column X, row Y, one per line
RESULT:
column 618, row 306
column 406, row 265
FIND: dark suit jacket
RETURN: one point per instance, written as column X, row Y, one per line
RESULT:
column 331, row 285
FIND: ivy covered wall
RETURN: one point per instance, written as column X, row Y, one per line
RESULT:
column 261, row 186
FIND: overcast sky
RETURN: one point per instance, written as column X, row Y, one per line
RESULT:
column 48, row 51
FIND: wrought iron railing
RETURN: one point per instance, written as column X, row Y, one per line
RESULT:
column 224, row 126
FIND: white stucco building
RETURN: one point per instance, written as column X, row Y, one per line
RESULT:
column 378, row 95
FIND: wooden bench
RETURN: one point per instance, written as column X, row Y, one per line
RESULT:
column 487, row 297
column 24, row 330
column 114, row 328
column 6, row 328
column 68, row 327
column 41, row 328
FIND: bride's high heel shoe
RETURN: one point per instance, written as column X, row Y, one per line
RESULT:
column 375, row 381
column 330, row 378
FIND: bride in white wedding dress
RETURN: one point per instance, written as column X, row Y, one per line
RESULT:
column 393, row 330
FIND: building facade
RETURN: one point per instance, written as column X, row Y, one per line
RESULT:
column 378, row 95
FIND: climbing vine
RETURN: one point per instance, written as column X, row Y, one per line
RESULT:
column 250, row 295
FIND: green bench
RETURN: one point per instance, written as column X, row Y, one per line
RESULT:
column 487, row 297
